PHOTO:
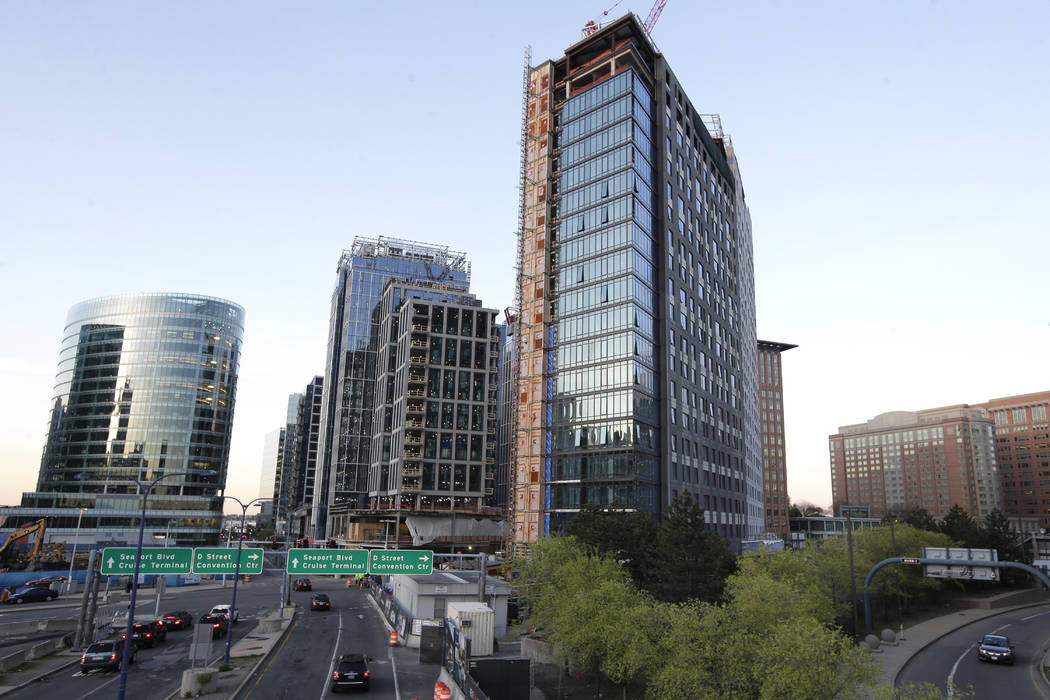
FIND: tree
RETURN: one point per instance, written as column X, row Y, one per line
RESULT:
column 997, row 533
column 805, row 509
column 916, row 517
column 961, row 527
column 626, row 536
column 689, row 560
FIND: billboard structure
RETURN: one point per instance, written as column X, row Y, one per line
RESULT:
column 967, row 571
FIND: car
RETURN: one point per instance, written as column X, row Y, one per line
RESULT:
column 177, row 620
column 997, row 648
column 219, row 624
column 302, row 584
column 350, row 672
column 45, row 582
column 105, row 655
column 227, row 610
column 31, row 594
column 146, row 634
column 321, row 602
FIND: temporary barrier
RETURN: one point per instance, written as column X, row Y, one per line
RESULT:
column 393, row 638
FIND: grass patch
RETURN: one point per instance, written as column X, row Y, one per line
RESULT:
column 244, row 659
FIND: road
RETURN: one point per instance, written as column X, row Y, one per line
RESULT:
column 954, row 657
column 157, row 672
column 302, row 664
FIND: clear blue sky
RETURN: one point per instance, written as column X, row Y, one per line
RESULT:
column 893, row 155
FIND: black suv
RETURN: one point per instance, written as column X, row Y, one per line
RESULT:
column 219, row 624
column 350, row 672
column 302, row 584
column 105, row 655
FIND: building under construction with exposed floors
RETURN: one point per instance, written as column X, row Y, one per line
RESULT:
column 636, row 378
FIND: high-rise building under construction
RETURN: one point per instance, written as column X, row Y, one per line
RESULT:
column 637, row 376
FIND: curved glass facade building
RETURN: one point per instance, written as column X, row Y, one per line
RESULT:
column 146, row 386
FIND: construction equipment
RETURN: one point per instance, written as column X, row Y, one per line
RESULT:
column 654, row 14
column 37, row 554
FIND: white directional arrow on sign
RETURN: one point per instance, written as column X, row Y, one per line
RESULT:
column 110, row 562
column 253, row 556
column 295, row 562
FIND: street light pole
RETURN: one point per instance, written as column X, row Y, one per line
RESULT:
column 167, row 534
column 287, row 542
column 73, row 558
column 143, row 490
column 237, row 570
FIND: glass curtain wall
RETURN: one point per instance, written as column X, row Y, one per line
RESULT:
column 605, row 422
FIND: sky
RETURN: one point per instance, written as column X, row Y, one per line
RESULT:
column 893, row 156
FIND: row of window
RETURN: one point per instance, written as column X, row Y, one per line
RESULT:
column 592, row 243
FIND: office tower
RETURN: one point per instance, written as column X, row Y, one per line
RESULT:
column 930, row 459
column 637, row 348
column 302, row 453
column 1022, row 446
column 771, row 411
column 434, row 420
column 282, row 478
column 346, row 417
column 146, row 385
column 272, row 456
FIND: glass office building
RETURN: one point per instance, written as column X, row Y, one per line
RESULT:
column 344, row 457
column 637, row 374
column 146, row 386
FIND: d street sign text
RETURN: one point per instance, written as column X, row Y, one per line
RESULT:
column 220, row 560
column 401, row 561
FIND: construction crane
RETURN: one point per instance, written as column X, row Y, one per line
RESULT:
column 654, row 14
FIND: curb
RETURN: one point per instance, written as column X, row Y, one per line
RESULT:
column 934, row 640
column 42, row 676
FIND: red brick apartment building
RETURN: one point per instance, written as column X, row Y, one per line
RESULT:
column 981, row 456
column 771, row 414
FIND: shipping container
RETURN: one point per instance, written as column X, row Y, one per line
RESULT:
column 476, row 620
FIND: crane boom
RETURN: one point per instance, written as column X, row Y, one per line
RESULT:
column 654, row 14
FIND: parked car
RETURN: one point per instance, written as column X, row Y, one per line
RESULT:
column 227, row 610
column 146, row 634
column 321, row 601
column 302, row 584
column 31, row 594
column 350, row 672
column 105, row 655
column 219, row 624
column 997, row 648
column 177, row 620
column 46, row 582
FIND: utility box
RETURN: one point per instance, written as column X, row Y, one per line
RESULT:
column 476, row 621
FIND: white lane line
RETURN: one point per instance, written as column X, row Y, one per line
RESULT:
column 335, row 652
column 1032, row 617
column 107, row 683
column 393, row 667
column 955, row 667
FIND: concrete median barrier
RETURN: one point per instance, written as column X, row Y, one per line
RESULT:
column 12, row 661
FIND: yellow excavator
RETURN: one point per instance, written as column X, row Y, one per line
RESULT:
column 37, row 555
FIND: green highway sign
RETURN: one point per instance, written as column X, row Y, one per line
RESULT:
column 155, row 560
column 327, row 561
column 400, row 561
column 223, row 560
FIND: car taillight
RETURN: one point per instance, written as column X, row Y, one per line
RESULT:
column 215, row 625
column 366, row 674
column 335, row 675
column 149, row 634
column 84, row 658
column 112, row 657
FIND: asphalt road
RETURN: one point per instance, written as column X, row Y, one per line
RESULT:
column 157, row 672
column 954, row 657
column 301, row 665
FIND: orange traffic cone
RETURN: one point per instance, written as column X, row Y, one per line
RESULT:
column 393, row 638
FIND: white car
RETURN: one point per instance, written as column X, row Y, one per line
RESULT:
column 226, row 611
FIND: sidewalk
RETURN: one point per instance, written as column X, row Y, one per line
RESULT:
column 892, row 658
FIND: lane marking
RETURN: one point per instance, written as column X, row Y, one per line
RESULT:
column 393, row 667
column 1032, row 617
column 335, row 652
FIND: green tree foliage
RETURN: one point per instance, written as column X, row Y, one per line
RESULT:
column 689, row 560
column 961, row 526
column 997, row 533
column 626, row 536
column 918, row 518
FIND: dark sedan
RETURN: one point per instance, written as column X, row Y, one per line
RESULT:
column 995, row 648
column 32, row 594
column 177, row 620
column 302, row 584
column 321, row 602
column 146, row 634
